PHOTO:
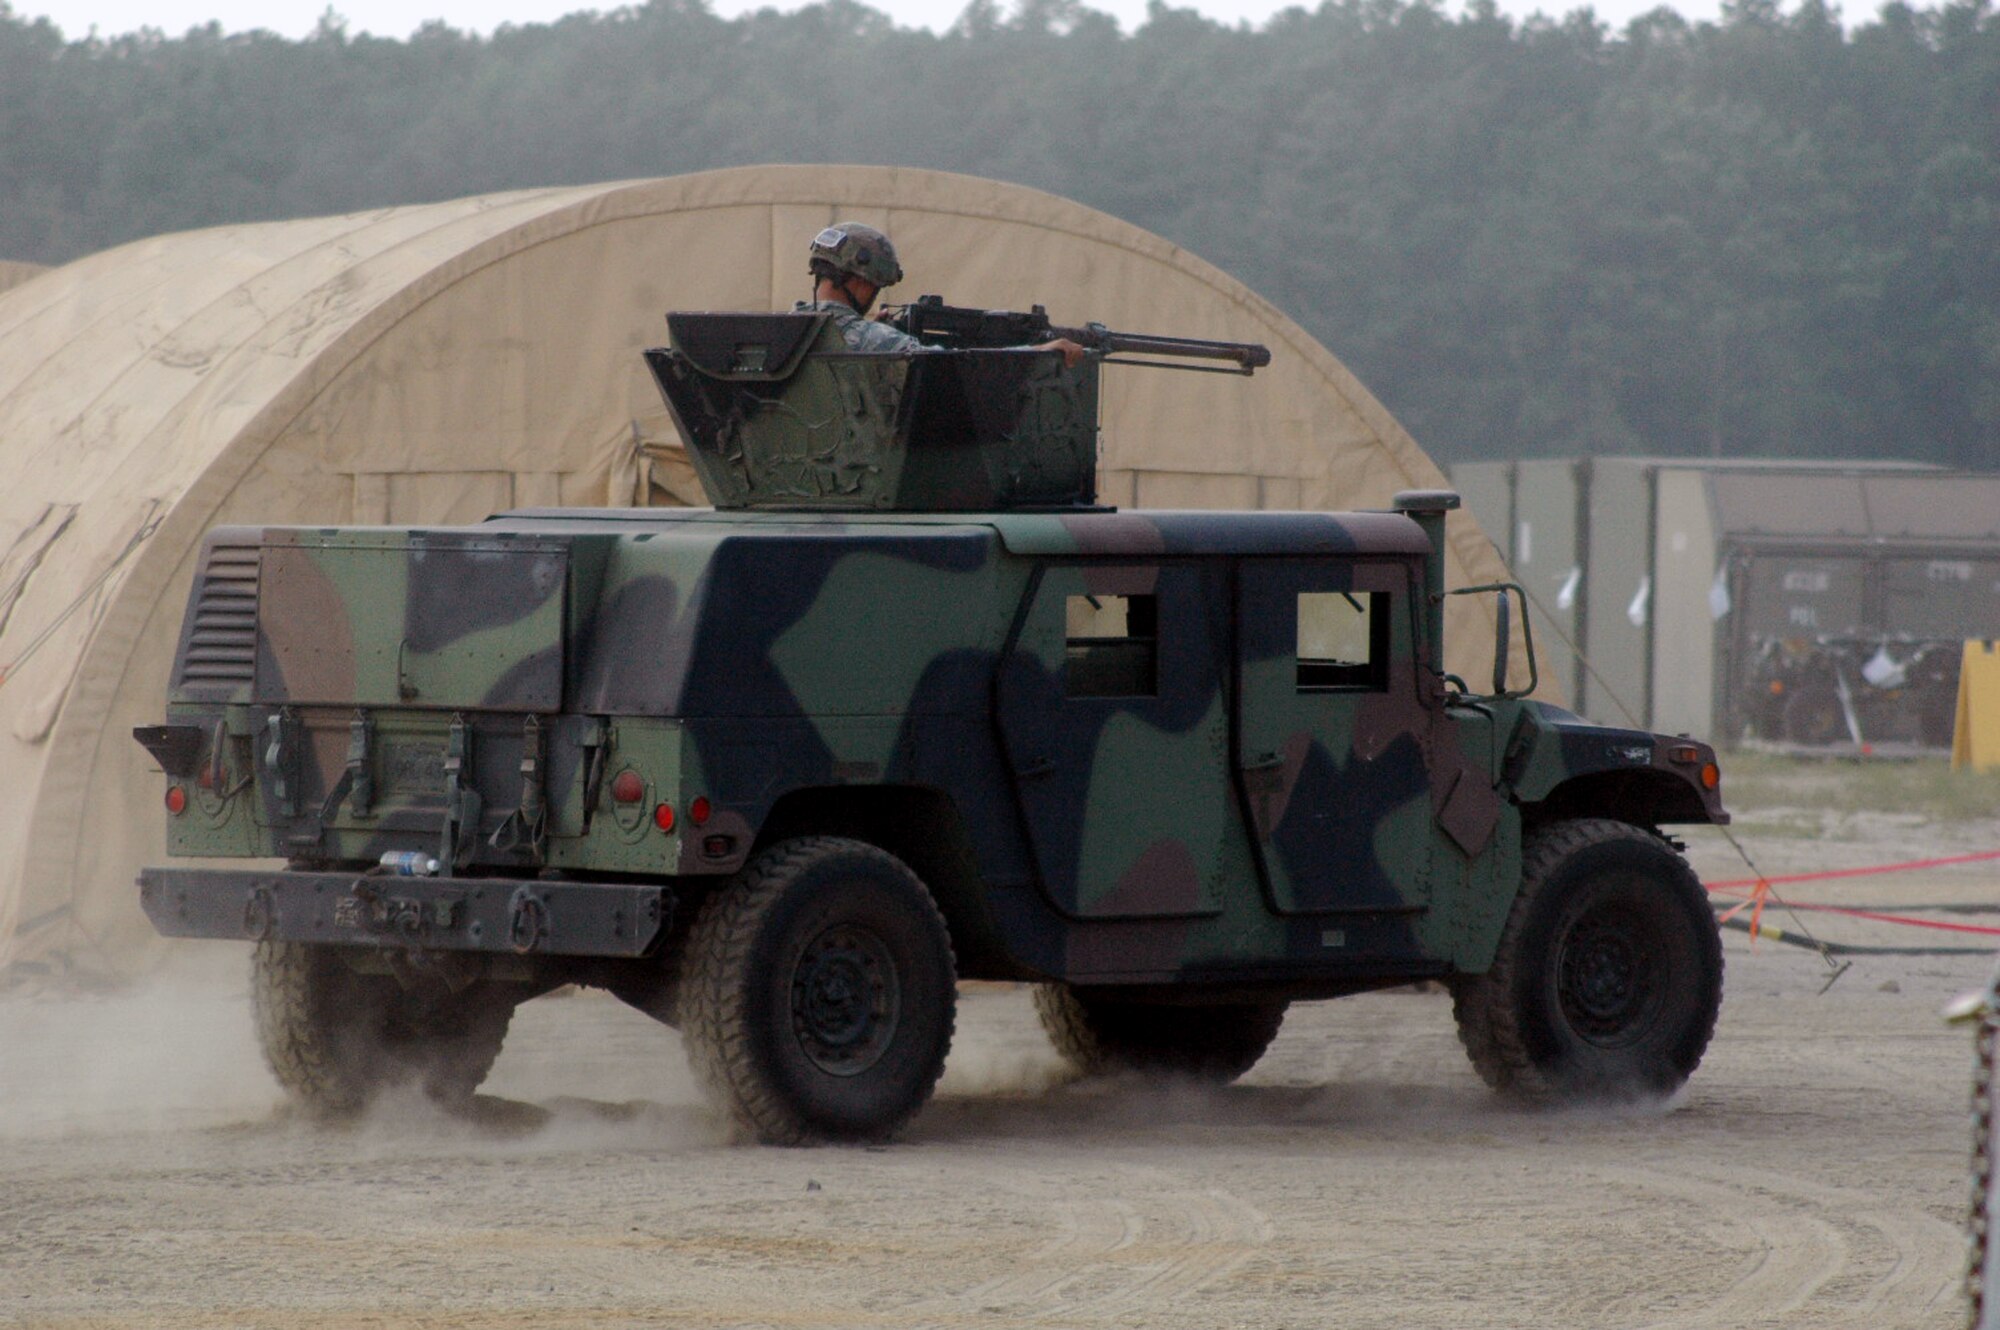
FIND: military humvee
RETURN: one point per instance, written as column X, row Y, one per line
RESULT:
column 906, row 707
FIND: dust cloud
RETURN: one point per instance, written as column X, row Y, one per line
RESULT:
column 175, row 1051
column 625, row 1088
column 1813, row 1173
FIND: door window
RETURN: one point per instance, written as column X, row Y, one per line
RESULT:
column 1343, row 641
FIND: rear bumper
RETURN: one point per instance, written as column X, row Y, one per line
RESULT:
column 509, row 915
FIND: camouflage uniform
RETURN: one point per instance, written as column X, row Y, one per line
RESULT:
column 862, row 334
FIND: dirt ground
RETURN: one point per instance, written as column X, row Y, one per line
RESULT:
column 1812, row 1174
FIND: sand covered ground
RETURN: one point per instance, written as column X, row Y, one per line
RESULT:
column 1812, row 1174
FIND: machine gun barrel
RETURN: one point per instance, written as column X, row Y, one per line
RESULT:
column 960, row 327
column 1248, row 357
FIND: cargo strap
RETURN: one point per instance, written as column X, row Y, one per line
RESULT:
column 526, row 827
column 361, row 794
column 462, row 805
column 281, row 759
column 596, row 745
column 356, row 786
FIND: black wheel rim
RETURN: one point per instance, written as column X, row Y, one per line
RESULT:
column 845, row 1000
column 1610, row 976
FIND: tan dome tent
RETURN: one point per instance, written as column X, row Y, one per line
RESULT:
column 435, row 363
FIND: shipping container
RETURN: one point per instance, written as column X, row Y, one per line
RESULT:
column 1748, row 598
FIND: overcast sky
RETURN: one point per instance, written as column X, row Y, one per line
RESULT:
column 398, row 18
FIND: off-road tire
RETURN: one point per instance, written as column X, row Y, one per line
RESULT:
column 1608, row 978
column 819, row 993
column 1215, row 1044
column 335, row 1038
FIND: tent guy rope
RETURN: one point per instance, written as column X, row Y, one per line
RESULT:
column 91, row 588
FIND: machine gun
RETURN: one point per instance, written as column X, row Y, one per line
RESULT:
column 962, row 328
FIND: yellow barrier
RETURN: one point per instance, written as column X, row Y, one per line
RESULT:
column 1975, row 742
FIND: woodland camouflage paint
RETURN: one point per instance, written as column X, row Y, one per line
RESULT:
column 1215, row 820
column 906, row 707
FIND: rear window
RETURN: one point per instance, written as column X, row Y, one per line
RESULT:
column 1111, row 646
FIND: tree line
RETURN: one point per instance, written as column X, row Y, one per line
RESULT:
column 1777, row 234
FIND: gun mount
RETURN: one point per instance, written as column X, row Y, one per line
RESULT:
column 777, row 412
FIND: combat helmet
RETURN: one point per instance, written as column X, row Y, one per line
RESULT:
column 853, row 249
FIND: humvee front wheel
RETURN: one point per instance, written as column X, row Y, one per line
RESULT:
column 819, row 993
column 334, row 1037
column 1207, row 1043
column 1609, row 974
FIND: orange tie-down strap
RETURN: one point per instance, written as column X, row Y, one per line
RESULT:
column 1756, row 892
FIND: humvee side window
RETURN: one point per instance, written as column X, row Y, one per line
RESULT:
column 1343, row 641
column 1111, row 646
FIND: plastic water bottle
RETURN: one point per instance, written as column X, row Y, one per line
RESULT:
column 410, row 863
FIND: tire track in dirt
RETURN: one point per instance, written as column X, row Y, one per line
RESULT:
column 1800, row 1244
column 1144, row 1238
column 1929, row 1268
column 1927, row 1256
column 1091, row 1229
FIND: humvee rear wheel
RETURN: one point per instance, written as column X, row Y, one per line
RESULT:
column 819, row 993
column 1215, row 1044
column 334, row 1038
column 1609, row 974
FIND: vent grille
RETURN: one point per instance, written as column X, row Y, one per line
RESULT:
column 221, row 648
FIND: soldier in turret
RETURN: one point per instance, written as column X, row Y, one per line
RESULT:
column 851, row 264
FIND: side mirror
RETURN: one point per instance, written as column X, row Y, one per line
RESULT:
column 1503, row 624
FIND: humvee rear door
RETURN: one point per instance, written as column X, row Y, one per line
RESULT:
column 1112, row 706
column 1330, row 737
